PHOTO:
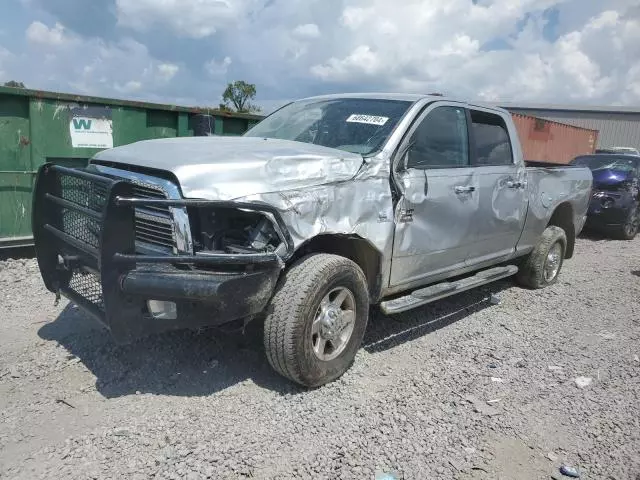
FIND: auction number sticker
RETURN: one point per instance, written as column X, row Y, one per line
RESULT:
column 368, row 119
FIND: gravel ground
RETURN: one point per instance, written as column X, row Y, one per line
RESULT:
column 461, row 389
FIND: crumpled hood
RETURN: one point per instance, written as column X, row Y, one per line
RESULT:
column 607, row 177
column 224, row 168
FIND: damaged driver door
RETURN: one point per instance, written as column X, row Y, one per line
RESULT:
column 435, row 224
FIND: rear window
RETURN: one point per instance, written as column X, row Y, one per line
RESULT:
column 491, row 139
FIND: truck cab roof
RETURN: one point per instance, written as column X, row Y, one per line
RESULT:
column 408, row 97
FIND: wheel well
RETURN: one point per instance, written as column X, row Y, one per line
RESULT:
column 563, row 217
column 354, row 248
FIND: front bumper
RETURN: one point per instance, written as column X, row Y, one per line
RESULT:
column 84, row 234
column 609, row 209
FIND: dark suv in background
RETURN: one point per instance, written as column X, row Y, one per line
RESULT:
column 615, row 198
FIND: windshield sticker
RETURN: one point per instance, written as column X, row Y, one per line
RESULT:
column 368, row 119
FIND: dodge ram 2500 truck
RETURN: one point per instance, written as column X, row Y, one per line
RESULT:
column 329, row 205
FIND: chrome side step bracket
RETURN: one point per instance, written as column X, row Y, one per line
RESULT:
column 438, row 291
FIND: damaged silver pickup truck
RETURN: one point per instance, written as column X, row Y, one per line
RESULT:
column 328, row 206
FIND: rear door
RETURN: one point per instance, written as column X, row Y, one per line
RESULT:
column 502, row 186
column 435, row 227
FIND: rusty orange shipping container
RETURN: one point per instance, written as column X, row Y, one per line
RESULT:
column 547, row 141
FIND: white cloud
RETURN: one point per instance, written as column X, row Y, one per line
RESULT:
column 424, row 46
column 5, row 58
column 217, row 69
column 632, row 80
column 167, row 71
column 92, row 66
column 488, row 49
column 196, row 19
column 129, row 87
column 308, row 30
column 39, row 33
column 594, row 64
column 5, row 54
column 361, row 62
column 355, row 17
column 269, row 106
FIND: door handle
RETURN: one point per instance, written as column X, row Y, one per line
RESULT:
column 464, row 189
column 512, row 184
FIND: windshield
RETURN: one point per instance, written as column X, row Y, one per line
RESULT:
column 358, row 125
column 608, row 163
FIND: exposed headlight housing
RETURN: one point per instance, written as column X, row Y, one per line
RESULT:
column 234, row 231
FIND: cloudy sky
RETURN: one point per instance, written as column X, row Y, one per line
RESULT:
column 185, row 51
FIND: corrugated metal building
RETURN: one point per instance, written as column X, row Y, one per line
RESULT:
column 617, row 126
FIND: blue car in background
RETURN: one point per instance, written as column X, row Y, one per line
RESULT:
column 615, row 196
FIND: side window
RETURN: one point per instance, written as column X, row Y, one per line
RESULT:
column 491, row 139
column 441, row 140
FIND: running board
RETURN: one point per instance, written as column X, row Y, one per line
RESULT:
column 446, row 289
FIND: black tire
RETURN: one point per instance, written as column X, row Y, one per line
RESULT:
column 629, row 230
column 532, row 269
column 288, row 324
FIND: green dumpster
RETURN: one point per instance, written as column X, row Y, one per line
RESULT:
column 37, row 127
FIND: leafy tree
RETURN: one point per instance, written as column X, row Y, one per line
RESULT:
column 14, row 84
column 238, row 96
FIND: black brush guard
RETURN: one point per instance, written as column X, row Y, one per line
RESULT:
column 84, row 234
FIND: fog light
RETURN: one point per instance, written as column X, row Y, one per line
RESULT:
column 162, row 310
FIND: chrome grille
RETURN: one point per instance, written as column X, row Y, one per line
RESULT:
column 154, row 224
column 140, row 191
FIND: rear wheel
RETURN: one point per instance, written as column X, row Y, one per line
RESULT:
column 542, row 266
column 629, row 229
column 316, row 319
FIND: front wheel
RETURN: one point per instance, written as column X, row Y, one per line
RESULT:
column 629, row 229
column 542, row 266
column 316, row 320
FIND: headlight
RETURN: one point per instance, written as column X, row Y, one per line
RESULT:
column 235, row 231
column 607, row 202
